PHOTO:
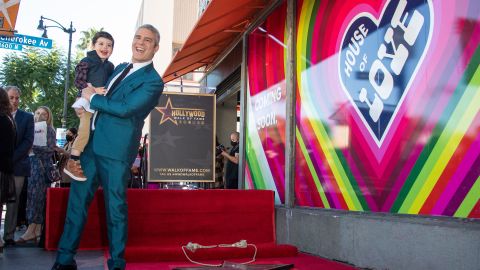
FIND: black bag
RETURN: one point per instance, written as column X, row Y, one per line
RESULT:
column 52, row 173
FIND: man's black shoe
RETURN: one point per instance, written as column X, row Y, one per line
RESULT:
column 58, row 266
column 9, row 242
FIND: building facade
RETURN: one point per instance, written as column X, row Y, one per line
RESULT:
column 174, row 19
column 363, row 117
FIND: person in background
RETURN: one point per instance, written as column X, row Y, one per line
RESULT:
column 94, row 69
column 7, row 146
column 231, row 171
column 41, row 160
column 64, row 154
column 24, row 140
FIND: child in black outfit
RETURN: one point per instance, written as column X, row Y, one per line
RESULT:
column 94, row 69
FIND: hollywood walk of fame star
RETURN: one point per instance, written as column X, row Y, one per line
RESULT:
column 166, row 139
column 167, row 113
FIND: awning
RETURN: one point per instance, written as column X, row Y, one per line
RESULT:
column 222, row 22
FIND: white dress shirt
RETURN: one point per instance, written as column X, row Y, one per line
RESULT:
column 136, row 66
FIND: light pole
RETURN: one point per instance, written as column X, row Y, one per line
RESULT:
column 70, row 31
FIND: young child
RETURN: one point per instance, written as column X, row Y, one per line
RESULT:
column 94, row 69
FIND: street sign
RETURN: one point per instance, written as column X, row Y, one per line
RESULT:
column 19, row 39
column 10, row 46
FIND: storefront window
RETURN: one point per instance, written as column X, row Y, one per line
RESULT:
column 388, row 106
column 265, row 140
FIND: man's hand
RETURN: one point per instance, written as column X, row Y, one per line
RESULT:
column 88, row 91
column 233, row 159
column 100, row 90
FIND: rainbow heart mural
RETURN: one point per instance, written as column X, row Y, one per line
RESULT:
column 379, row 60
column 422, row 155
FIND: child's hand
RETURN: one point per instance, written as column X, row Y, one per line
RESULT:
column 100, row 90
column 79, row 112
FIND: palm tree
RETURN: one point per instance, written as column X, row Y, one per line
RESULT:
column 86, row 40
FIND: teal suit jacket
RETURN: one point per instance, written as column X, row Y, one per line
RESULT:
column 121, row 114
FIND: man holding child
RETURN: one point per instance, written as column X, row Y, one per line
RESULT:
column 132, row 92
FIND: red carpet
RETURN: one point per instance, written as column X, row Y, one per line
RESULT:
column 301, row 262
column 160, row 222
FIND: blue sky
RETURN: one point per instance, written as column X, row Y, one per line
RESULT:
column 118, row 17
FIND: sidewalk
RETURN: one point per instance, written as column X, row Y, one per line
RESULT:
column 31, row 257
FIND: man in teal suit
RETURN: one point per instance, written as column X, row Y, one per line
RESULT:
column 132, row 92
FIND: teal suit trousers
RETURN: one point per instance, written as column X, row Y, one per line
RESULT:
column 113, row 176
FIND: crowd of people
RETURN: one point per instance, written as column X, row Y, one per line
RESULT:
column 24, row 162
